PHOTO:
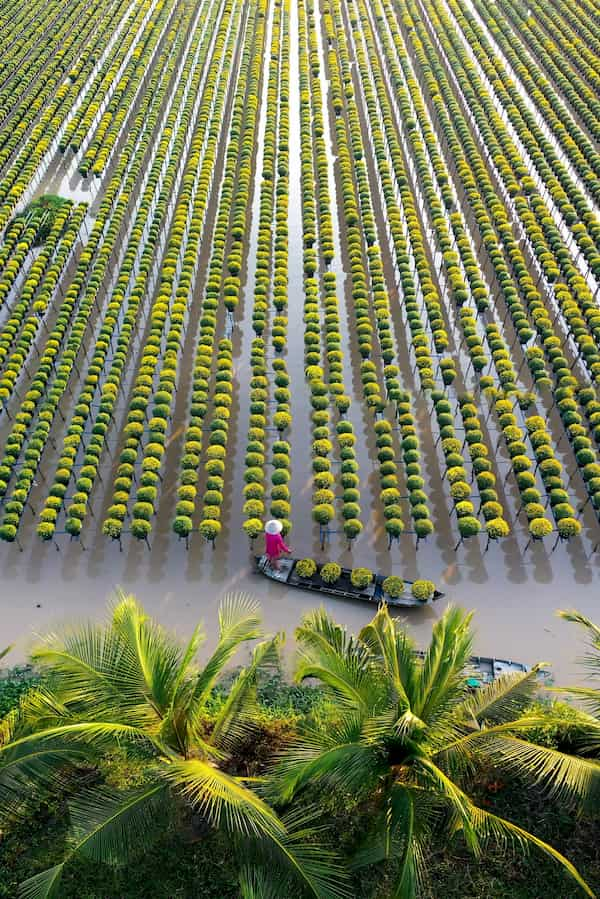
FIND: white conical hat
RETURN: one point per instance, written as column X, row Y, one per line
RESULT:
column 273, row 527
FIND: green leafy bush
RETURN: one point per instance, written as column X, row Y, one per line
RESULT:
column 361, row 577
column 393, row 586
column 330, row 572
column 306, row 568
column 540, row 527
column 423, row 590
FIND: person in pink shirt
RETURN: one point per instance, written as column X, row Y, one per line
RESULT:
column 274, row 545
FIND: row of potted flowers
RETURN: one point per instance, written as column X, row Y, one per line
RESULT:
column 125, row 92
column 124, row 304
column 580, row 96
column 402, row 211
column 103, row 84
column 18, row 243
column 573, row 139
column 422, row 136
column 177, row 280
column 19, row 32
column 566, row 194
column 521, row 465
column 493, row 220
column 270, row 275
column 402, row 215
column 236, row 247
column 312, row 174
column 354, row 169
column 57, row 361
column 361, row 578
column 457, row 266
column 368, row 283
column 483, row 470
column 579, row 45
column 154, row 385
column 550, row 470
column 327, row 385
column 281, row 450
column 544, row 236
column 455, row 471
column 40, row 118
column 21, row 328
column 54, row 26
column 208, row 365
column 487, row 208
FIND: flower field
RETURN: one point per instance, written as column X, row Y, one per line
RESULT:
column 336, row 263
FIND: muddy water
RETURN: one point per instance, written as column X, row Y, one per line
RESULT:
column 513, row 592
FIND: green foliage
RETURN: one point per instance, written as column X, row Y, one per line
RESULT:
column 406, row 737
column 306, row 567
column 330, row 572
column 155, row 685
column 361, row 577
column 393, row 586
column 423, row 590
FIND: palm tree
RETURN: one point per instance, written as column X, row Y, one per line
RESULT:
column 129, row 685
column 589, row 696
column 407, row 736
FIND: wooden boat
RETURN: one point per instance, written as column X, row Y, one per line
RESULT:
column 483, row 670
column 480, row 670
column 343, row 588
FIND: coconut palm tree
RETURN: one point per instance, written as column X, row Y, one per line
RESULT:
column 407, row 736
column 130, row 686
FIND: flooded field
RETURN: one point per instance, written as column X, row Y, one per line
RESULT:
column 334, row 264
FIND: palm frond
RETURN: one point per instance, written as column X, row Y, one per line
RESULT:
column 565, row 777
column 502, row 699
column 106, row 826
column 235, row 718
column 95, row 672
column 400, row 832
column 180, row 681
column 20, row 782
column 503, row 832
column 340, row 662
column 441, row 680
column 395, row 650
column 81, row 659
column 46, row 757
column 239, row 622
column 405, row 821
column 578, row 618
column 111, row 827
column 37, row 709
column 155, row 656
column 351, row 766
column 432, row 777
column 43, row 885
column 591, row 659
column 460, row 750
column 96, row 734
column 587, row 696
column 258, row 883
column 407, row 724
column 297, row 860
column 224, row 800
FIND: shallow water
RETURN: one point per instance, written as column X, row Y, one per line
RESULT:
column 513, row 591
column 514, row 595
